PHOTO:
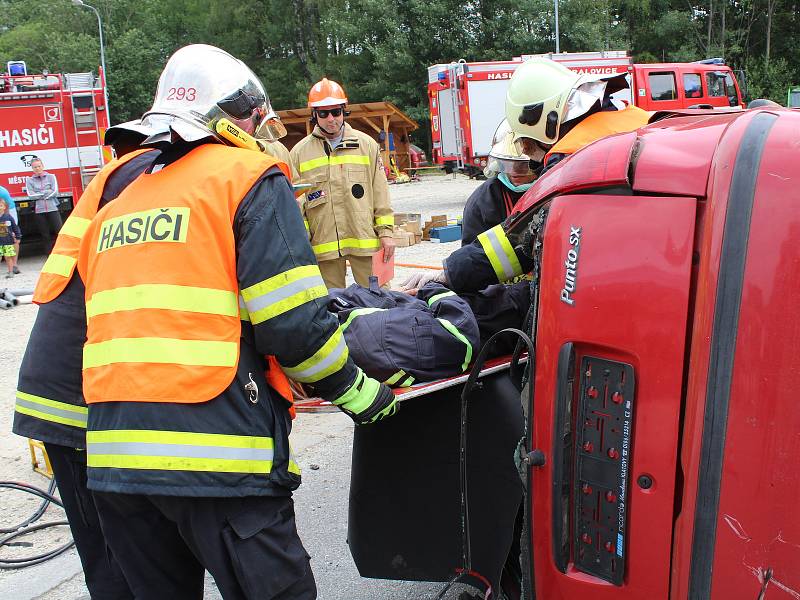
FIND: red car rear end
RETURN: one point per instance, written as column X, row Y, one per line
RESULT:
column 667, row 350
column 666, row 354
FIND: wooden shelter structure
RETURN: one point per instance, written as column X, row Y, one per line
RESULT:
column 373, row 118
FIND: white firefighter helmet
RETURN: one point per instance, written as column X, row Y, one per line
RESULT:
column 536, row 100
column 199, row 86
column 508, row 153
column 543, row 94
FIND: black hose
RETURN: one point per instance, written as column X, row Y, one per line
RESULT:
column 45, row 496
column 27, row 526
column 472, row 381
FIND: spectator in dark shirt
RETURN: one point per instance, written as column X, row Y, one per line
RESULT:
column 43, row 189
column 9, row 235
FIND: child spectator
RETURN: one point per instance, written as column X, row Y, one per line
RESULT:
column 12, row 210
column 9, row 235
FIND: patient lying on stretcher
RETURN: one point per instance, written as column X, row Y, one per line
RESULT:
column 402, row 339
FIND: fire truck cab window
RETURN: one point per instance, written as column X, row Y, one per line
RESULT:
column 662, row 86
column 692, row 85
column 794, row 98
column 720, row 84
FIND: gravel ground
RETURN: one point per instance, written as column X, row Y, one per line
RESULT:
column 432, row 195
column 320, row 439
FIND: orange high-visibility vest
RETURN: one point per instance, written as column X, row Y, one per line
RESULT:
column 597, row 126
column 159, row 264
column 59, row 266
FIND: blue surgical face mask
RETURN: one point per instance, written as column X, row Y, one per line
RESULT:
column 514, row 188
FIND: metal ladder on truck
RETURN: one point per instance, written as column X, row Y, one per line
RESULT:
column 84, row 123
column 456, row 100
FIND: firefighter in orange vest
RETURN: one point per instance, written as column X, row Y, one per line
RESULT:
column 197, row 270
column 50, row 405
column 347, row 211
column 554, row 112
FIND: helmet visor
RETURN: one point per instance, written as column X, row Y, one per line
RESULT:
column 531, row 148
column 271, row 129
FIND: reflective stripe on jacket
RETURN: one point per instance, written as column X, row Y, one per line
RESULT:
column 236, row 444
column 348, row 208
column 167, row 330
column 59, row 266
column 500, row 253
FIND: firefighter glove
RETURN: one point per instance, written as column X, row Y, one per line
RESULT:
column 367, row 400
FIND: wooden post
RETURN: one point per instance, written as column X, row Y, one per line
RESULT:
column 406, row 163
column 386, row 141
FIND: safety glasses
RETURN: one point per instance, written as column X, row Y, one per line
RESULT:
column 323, row 114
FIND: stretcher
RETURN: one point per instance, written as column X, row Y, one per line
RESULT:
column 425, row 388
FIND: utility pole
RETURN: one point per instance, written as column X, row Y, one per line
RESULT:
column 558, row 48
column 102, row 54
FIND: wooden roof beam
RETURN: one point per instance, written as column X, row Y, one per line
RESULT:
column 370, row 123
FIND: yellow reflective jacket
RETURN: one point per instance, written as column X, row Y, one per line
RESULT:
column 348, row 207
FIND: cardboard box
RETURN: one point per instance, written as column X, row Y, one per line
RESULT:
column 401, row 218
column 414, row 227
column 403, row 238
column 408, row 221
column 435, row 221
column 400, row 241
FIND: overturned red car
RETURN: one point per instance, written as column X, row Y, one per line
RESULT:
column 659, row 418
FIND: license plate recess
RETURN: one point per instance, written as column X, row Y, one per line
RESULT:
column 604, row 428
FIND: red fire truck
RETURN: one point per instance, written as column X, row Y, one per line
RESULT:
column 59, row 118
column 467, row 99
column 660, row 422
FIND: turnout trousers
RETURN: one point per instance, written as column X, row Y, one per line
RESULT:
column 334, row 271
column 101, row 571
column 249, row 545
